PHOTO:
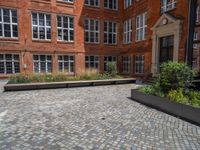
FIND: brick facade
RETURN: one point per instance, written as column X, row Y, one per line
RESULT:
column 26, row 47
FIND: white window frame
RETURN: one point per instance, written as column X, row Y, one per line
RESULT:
column 89, row 3
column 139, row 62
column 195, row 45
column 107, row 33
column 92, row 31
column 126, row 61
column 114, row 3
column 69, row 61
column 96, row 62
column 128, row 31
column 141, row 27
column 11, row 23
column 63, row 28
column 13, row 61
column 39, row 63
column 68, row 1
column 38, row 26
column 127, row 3
column 165, row 6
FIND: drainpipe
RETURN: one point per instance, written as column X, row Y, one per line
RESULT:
column 191, row 29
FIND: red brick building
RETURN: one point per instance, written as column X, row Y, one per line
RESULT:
column 196, row 46
column 52, row 36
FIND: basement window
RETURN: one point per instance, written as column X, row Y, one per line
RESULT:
column 42, row 63
column 66, row 63
column 139, row 64
column 92, row 62
column 9, row 63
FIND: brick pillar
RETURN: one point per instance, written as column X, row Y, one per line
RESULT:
column 132, row 65
column 119, row 64
column 101, row 65
column 79, row 64
column 27, row 62
column 54, row 64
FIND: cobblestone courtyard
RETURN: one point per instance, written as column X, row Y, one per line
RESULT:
column 89, row 118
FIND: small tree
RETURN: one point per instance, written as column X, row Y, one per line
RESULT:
column 175, row 75
column 112, row 68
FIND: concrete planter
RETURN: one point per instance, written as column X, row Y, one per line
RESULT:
column 185, row 112
column 68, row 84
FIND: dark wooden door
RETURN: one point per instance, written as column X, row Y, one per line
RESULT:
column 166, row 48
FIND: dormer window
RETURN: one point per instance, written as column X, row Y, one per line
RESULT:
column 167, row 5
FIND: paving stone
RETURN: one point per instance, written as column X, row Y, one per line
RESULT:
column 100, row 117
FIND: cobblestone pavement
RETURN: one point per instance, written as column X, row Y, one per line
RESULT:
column 89, row 118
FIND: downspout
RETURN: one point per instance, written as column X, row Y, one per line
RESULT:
column 191, row 28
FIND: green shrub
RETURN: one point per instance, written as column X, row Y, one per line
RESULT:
column 112, row 68
column 153, row 90
column 175, row 75
column 18, row 78
column 36, row 78
column 178, row 96
column 193, row 97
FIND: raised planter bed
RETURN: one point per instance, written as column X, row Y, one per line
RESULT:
column 67, row 84
column 182, row 111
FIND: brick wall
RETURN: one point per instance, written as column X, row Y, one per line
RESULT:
column 26, row 47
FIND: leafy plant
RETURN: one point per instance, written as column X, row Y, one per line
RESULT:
column 153, row 90
column 112, row 68
column 175, row 75
column 178, row 96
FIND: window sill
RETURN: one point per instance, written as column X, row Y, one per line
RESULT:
column 111, row 10
column 128, row 43
column 141, row 41
column 9, row 39
column 167, row 11
column 111, row 45
column 92, row 7
column 65, row 42
column 41, row 41
column 63, row 3
column 92, row 43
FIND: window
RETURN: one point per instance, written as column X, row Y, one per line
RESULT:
column 65, row 26
column 70, row 1
column 139, row 64
column 197, row 15
column 41, row 26
column 66, row 64
column 141, row 27
column 8, row 23
column 9, row 63
column 108, row 59
column 42, row 63
column 194, row 63
column 167, row 5
column 110, row 32
column 126, row 64
column 195, row 39
column 128, row 31
column 92, row 62
column 91, row 31
column 94, row 3
column 111, row 4
column 127, row 3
